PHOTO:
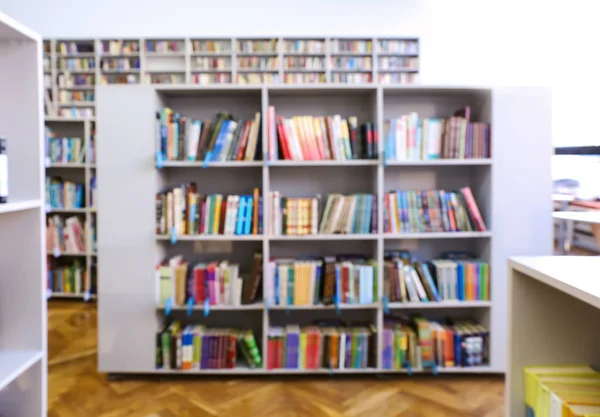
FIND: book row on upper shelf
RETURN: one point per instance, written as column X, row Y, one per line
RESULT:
column 184, row 211
column 66, row 276
column 410, row 343
column 68, row 150
column 223, row 138
column 63, row 194
column 69, row 236
column 315, row 281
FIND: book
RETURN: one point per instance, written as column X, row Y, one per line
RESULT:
column 184, row 211
column 320, row 347
column 221, row 283
column 410, row 138
column 419, row 343
column 313, row 138
column 435, row 281
column 423, row 211
column 344, row 214
column 65, row 235
column 64, row 150
column 196, row 347
column 180, row 138
column 67, row 276
column 291, row 282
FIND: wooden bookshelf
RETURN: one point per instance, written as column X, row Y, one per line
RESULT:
column 23, row 329
column 80, row 172
column 127, row 269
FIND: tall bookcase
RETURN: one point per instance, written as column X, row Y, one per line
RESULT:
column 83, row 173
column 23, row 369
column 514, row 205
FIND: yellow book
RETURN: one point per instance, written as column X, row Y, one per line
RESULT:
column 297, row 281
column 551, row 389
column 532, row 372
column 542, row 393
column 580, row 410
column 561, row 401
column 302, row 352
column 217, row 213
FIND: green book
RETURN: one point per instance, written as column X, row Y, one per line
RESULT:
column 252, row 348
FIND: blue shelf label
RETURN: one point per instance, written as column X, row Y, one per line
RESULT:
column 190, row 306
column 168, row 306
column 48, row 293
column 48, row 208
column 56, row 252
column 206, row 159
column 206, row 307
column 386, row 305
column 337, row 304
column 159, row 160
column 408, row 368
column 48, row 162
column 87, row 296
column 173, row 235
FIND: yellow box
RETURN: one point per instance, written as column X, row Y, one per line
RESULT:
column 542, row 394
column 532, row 372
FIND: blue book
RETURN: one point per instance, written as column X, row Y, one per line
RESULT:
column 240, row 216
column 338, row 284
column 368, row 214
column 248, row 217
column 290, row 287
column 276, row 286
column 176, row 117
column 260, row 215
column 216, row 153
column 429, row 279
column 318, row 271
column 460, row 281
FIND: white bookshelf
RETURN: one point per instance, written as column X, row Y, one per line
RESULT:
column 129, row 249
column 81, row 173
column 554, row 302
column 23, row 330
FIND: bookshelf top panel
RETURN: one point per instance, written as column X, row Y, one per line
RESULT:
column 11, row 30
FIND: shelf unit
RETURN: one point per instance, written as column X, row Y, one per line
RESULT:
column 23, row 329
column 209, row 61
column 129, row 248
column 80, row 173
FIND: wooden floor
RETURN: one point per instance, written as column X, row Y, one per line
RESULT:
column 75, row 388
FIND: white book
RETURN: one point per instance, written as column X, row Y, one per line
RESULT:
column 412, row 135
column 270, row 284
column 453, row 279
column 283, row 281
column 228, row 141
column 178, row 215
column 419, row 285
column 410, row 285
column 239, row 284
column 193, row 135
column 400, row 135
column 337, row 135
column 342, row 351
column 227, row 219
column 337, row 209
column 233, row 279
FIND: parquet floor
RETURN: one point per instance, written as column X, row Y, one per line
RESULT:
column 75, row 389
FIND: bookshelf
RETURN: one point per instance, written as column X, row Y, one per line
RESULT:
column 553, row 300
column 23, row 330
column 129, row 248
column 74, row 67
column 81, row 173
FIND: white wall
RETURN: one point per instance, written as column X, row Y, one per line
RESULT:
column 506, row 42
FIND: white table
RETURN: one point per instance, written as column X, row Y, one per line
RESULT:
column 553, row 317
column 570, row 217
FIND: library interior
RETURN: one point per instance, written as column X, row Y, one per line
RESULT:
column 305, row 208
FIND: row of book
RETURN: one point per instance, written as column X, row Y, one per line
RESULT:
column 418, row 343
column 435, row 281
column 67, row 97
column 351, row 63
column 211, row 78
column 120, row 64
column 305, row 138
column 353, row 46
column 411, row 138
column 210, row 63
column 355, row 213
column 223, row 138
column 397, row 63
column 76, row 113
column 120, row 47
column 345, row 279
column 304, row 46
column 303, row 78
column 314, row 347
column 62, row 194
column 164, row 46
column 221, row 283
column 422, row 211
column 211, row 46
column 76, row 64
column 304, row 62
column 162, row 78
column 65, row 235
column 258, row 63
column 393, row 46
column 352, row 78
column 562, row 390
column 64, row 150
column 75, row 80
column 106, row 79
column 183, row 211
column 195, row 347
column 70, row 48
column 258, row 45
column 68, row 277
column 258, row 78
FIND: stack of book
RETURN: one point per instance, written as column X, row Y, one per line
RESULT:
column 69, row 97
column 411, row 138
column 76, row 64
column 211, row 78
column 218, row 282
column 347, row 279
column 67, row 279
column 313, row 347
column 350, row 214
column 183, row 211
column 195, row 347
column 437, row 280
column 562, row 390
column 220, row 139
column 64, row 150
column 65, row 236
column 62, row 194
column 309, row 138
column 431, row 211
column 419, row 343
column 120, row 47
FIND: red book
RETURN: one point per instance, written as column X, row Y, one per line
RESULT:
column 345, row 284
column 231, row 353
column 222, row 216
column 283, row 140
column 244, row 141
column 199, row 285
column 473, row 209
column 375, row 141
